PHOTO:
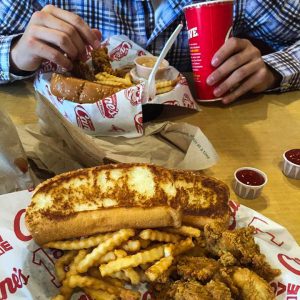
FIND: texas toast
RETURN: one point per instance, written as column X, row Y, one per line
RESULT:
column 111, row 197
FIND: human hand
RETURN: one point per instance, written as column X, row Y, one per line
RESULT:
column 240, row 69
column 51, row 33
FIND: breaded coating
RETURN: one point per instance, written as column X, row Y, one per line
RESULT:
column 218, row 290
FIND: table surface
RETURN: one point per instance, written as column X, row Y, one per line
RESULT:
column 254, row 131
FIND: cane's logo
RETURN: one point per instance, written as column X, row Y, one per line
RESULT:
column 134, row 95
column 108, row 107
column 83, row 119
column 138, row 122
column 120, row 51
column 193, row 32
column 9, row 285
column 187, row 101
column 171, row 102
column 292, row 264
column 141, row 53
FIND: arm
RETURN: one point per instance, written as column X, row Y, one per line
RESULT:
column 51, row 34
column 287, row 64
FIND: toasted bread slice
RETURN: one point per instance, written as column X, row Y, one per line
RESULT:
column 111, row 197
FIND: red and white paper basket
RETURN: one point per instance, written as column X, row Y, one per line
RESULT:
column 27, row 270
column 120, row 114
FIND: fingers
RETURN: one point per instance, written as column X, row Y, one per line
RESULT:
column 238, row 76
column 57, row 38
column 230, row 47
column 82, row 28
column 42, row 50
column 246, row 86
column 97, row 33
column 233, row 63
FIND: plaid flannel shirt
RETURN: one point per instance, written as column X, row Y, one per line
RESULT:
column 275, row 22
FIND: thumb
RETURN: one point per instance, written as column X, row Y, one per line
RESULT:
column 97, row 33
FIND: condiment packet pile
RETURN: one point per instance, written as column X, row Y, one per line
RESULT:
column 120, row 114
column 27, row 270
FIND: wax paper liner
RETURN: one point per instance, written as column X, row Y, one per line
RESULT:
column 27, row 270
column 120, row 114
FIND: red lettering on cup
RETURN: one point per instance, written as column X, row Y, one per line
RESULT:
column 134, row 95
column 17, row 227
column 83, row 119
column 108, row 107
column 138, row 122
column 120, row 51
column 13, row 283
column 234, row 207
column 290, row 263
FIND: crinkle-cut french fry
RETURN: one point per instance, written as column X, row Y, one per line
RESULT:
column 110, row 82
column 144, row 243
column 159, row 267
column 155, row 235
column 164, row 90
column 120, row 253
column 179, row 248
column 128, row 78
column 184, row 230
column 165, row 83
column 132, row 261
column 132, row 246
column 133, row 276
column 62, row 262
column 78, row 244
column 145, row 266
column 107, row 257
column 58, row 297
column 116, row 239
column 91, row 282
column 102, row 76
column 99, row 294
column 115, row 281
column 120, row 275
column 65, row 290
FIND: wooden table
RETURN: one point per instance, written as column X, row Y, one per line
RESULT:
column 252, row 132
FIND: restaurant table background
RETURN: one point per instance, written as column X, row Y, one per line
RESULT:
column 254, row 131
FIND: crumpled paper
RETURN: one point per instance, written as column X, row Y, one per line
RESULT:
column 27, row 270
column 167, row 144
column 15, row 173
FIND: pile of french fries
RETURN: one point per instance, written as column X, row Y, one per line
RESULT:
column 162, row 86
column 102, row 264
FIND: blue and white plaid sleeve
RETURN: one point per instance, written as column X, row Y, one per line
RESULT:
column 14, row 17
column 287, row 63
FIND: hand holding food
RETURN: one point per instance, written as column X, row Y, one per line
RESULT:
column 50, row 34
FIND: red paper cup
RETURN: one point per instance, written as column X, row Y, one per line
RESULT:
column 209, row 26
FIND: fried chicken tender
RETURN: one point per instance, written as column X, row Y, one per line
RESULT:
column 101, row 61
column 251, row 286
column 218, row 290
column 200, row 268
column 241, row 245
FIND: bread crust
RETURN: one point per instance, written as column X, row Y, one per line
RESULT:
column 79, row 90
column 103, row 220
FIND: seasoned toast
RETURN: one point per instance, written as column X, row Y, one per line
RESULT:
column 111, row 197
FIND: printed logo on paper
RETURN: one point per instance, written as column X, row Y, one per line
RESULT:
column 187, row 101
column 10, row 285
column 290, row 289
column 233, row 209
column 171, row 102
column 47, row 67
column 290, row 263
column 138, row 122
column 120, row 51
column 108, row 107
column 83, row 119
column 141, row 53
column 134, row 95
column 5, row 246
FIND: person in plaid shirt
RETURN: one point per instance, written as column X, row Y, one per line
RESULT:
column 264, row 53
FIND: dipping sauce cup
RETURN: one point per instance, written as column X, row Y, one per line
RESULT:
column 291, row 163
column 209, row 26
column 249, row 182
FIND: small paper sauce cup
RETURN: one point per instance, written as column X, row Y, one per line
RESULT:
column 249, row 189
column 291, row 168
column 145, row 64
